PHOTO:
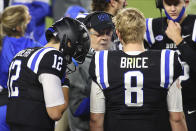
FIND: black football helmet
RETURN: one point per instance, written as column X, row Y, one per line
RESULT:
column 68, row 29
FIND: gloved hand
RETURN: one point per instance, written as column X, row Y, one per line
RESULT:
column 83, row 108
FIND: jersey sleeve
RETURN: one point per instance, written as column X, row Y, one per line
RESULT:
column 47, row 60
column 178, row 69
column 99, row 68
column 53, row 63
column 171, row 68
column 188, row 53
column 149, row 35
column 92, row 69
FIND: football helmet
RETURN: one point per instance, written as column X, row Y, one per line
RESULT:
column 70, row 30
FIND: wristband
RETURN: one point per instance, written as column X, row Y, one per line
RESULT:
column 66, row 83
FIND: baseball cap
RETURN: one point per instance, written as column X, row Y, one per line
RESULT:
column 99, row 21
column 74, row 10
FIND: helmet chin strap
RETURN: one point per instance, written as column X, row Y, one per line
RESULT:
column 178, row 18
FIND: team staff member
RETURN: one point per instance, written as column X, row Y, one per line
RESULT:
column 100, row 27
column 36, row 98
column 109, row 6
column 178, row 32
column 132, row 89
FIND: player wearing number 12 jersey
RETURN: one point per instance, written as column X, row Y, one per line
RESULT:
column 132, row 89
column 36, row 97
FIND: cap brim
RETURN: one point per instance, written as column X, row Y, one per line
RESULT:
column 103, row 26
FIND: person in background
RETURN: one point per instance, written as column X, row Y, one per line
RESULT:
column 74, row 11
column 39, row 10
column 3, row 5
column 109, row 6
column 100, row 27
column 192, row 7
column 59, row 7
column 132, row 88
column 13, row 23
column 177, row 31
column 38, row 93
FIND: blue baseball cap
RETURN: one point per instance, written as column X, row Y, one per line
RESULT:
column 100, row 21
column 74, row 10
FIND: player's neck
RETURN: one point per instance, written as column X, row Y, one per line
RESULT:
column 51, row 44
column 112, row 11
column 184, row 17
column 133, row 47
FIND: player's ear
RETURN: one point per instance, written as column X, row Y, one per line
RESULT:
column 113, row 3
column 118, row 34
column 18, row 28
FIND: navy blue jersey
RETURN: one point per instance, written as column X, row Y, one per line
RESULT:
column 26, row 100
column 135, row 86
column 157, row 39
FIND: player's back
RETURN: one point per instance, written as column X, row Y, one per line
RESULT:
column 26, row 96
column 135, row 88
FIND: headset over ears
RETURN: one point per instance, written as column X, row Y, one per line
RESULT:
column 159, row 4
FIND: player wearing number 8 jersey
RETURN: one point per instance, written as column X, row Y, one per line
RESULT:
column 132, row 89
column 36, row 98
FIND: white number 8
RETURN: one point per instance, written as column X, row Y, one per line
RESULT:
column 129, row 89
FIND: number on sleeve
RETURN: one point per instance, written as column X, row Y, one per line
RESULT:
column 58, row 62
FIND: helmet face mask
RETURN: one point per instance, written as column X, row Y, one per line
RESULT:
column 70, row 30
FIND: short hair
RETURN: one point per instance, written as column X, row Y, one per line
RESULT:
column 100, row 5
column 130, row 23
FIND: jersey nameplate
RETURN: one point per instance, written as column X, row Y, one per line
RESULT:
column 139, row 62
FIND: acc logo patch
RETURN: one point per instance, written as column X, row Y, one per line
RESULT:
column 159, row 37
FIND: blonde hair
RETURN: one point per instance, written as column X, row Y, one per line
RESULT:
column 12, row 17
column 130, row 23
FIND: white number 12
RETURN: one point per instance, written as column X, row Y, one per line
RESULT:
column 13, row 91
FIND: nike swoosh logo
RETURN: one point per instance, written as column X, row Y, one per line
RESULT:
column 184, row 36
column 191, row 112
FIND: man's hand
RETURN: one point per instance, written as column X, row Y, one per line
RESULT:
column 173, row 32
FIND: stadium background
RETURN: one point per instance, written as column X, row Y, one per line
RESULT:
column 146, row 6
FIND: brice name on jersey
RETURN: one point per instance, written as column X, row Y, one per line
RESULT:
column 134, row 62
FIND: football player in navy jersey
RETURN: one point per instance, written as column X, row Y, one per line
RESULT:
column 177, row 31
column 132, row 89
column 37, row 75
